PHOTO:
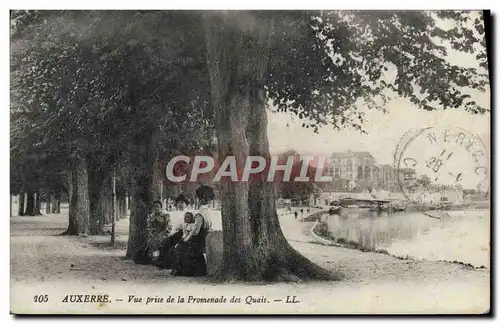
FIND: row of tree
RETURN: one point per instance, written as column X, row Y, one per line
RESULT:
column 30, row 205
column 98, row 95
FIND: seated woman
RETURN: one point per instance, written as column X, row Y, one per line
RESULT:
column 158, row 229
column 189, row 259
column 167, row 249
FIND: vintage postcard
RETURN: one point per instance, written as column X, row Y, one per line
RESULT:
column 250, row 162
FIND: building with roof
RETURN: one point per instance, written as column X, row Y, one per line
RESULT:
column 355, row 171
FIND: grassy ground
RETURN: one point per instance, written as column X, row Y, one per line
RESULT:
column 44, row 263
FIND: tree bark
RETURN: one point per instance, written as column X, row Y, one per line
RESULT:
column 10, row 206
column 83, row 203
column 95, row 184
column 47, row 205
column 255, row 248
column 113, row 209
column 20, row 210
column 106, row 201
column 122, row 208
column 157, row 182
column 30, row 204
column 73, row 197
column 142, row 192
column 98, row 187
column 118, row 207
column 38, row 204
column 79, row 209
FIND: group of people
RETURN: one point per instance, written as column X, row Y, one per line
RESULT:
column 296, row 214
column 180, row 249
column 187, row 204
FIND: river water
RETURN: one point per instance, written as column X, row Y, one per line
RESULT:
column 463, row 236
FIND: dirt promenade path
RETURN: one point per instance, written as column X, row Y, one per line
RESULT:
column 41, row 261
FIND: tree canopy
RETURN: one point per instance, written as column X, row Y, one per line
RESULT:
column 90, row 88
column 323, row 64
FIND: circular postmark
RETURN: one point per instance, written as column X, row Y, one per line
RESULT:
column 435, row 165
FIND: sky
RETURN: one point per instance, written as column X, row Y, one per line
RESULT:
column 384, row 129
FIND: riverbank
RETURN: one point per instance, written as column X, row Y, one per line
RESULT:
column 42, row 261
column 319, row 231
column 443, row 207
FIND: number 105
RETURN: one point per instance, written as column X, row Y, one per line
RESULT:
column 41, row 298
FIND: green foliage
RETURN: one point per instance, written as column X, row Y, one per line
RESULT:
column 326, row 64
column 94, row 83
column 85, row 81
column 298, row 191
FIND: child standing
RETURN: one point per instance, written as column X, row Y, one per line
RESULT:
column 188, row 226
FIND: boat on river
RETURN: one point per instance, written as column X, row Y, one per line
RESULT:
column 399, row 208
column 351, row 206
column 334, row 210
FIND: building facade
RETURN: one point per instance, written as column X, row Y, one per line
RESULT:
column 359, row 170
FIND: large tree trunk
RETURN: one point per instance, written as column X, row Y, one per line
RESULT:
column 120, row 193
column 20, row 210
column 38, row 204
column 47, row 204
column 118, row 208
column 83, row 203
column 124, row 207
column 79, row 208
column 113, row 209
column 254, row 246
column 10, row 206
column 73, row 197
column 105, row 202
column 121, row 200
column 96, row 212
column 157, row 182
column 30, row 204
column 98, row 188
column 142, row 193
